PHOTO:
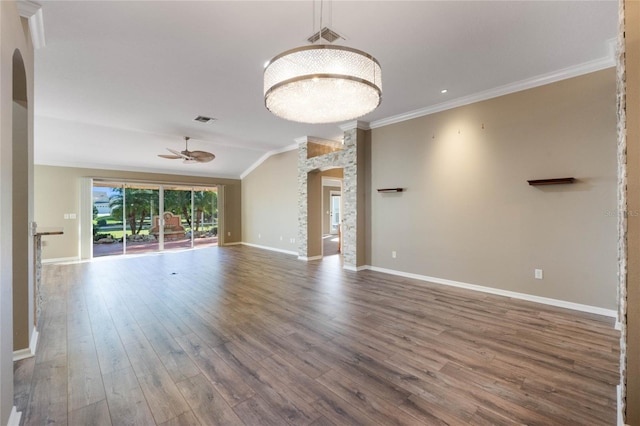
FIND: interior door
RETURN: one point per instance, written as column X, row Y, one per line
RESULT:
column 334, row 211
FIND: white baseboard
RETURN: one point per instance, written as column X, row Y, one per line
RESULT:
column 61, row 260
column 619, row 406
column 515, row 295
column 618, row 324
column 231, row 244
column 355, row 268
column 507, row 293
column 14, row 417
column 308, row 259
column 33, row 343
column 30, row 351
column 295, row 253
column 22, row 354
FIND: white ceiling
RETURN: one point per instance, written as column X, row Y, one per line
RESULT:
column 119, row 81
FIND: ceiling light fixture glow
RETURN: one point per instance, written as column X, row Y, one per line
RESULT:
column 322, row 83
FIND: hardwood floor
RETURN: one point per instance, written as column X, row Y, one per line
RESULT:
column 239, row 335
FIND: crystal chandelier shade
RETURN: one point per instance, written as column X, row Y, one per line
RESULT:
column 322, row 84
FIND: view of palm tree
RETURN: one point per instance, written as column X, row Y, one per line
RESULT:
column 139, row 203
column 127, row 217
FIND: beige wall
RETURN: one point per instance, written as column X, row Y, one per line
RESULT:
column 365, row 197
column 57, row 191
column 22, row 198
column 13, row 35
column 632, row 41
column 469, row 215
column 270, row 203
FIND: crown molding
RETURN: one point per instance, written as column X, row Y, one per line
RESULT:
column 356, row 124
column 32, row 11
column 271, row 153
column 27, row 8
column 541, row 80
column 99, row 166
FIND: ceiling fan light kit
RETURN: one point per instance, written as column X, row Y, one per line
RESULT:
column 188, row 157
column 322, row 83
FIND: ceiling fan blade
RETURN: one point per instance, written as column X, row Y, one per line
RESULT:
column 189, row 157
column 202, row 156
column 178, row 153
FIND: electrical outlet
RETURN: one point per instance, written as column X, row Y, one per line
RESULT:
column 280, row 237
column 229, row 234
column 72, row 215
column 259, row 236
column 394, row 254
column 66, row 215
column 537, row 274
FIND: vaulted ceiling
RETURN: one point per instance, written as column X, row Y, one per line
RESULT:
column 119, row 81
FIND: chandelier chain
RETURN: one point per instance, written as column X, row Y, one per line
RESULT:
column 321, row 12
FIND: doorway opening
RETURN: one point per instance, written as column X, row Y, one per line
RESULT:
column 22, row 258
column 332, row 212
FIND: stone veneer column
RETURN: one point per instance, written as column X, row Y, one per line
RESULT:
column 303, row 207
column 352, row 191
column 350, row 200
column 629, row 172
column 622, row 199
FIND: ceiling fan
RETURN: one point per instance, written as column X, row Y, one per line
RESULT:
column 188, row 156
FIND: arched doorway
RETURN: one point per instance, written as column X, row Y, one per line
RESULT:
column 21, row 240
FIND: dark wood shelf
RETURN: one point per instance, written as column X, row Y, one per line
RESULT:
column 555, row 181
column 390, row 189
column 49, row 231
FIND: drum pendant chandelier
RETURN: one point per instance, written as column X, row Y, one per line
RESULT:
column 322, row 84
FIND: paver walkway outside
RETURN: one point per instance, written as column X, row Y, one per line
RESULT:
column 144, row 247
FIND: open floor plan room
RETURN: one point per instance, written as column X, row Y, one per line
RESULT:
column 239, row 335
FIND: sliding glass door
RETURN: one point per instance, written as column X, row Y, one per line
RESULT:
column 205, row 224
column 178, row 208
column 122, row 218
column 141, row 207
column 130, row 218
column 107, row 227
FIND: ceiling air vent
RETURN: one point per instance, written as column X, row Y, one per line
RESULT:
column 326, row 34
column 203, row 119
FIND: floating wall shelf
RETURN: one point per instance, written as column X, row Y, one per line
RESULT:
column 554, row 181
column 390, row 189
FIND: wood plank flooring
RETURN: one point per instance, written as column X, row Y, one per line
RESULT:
column 242, row 336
